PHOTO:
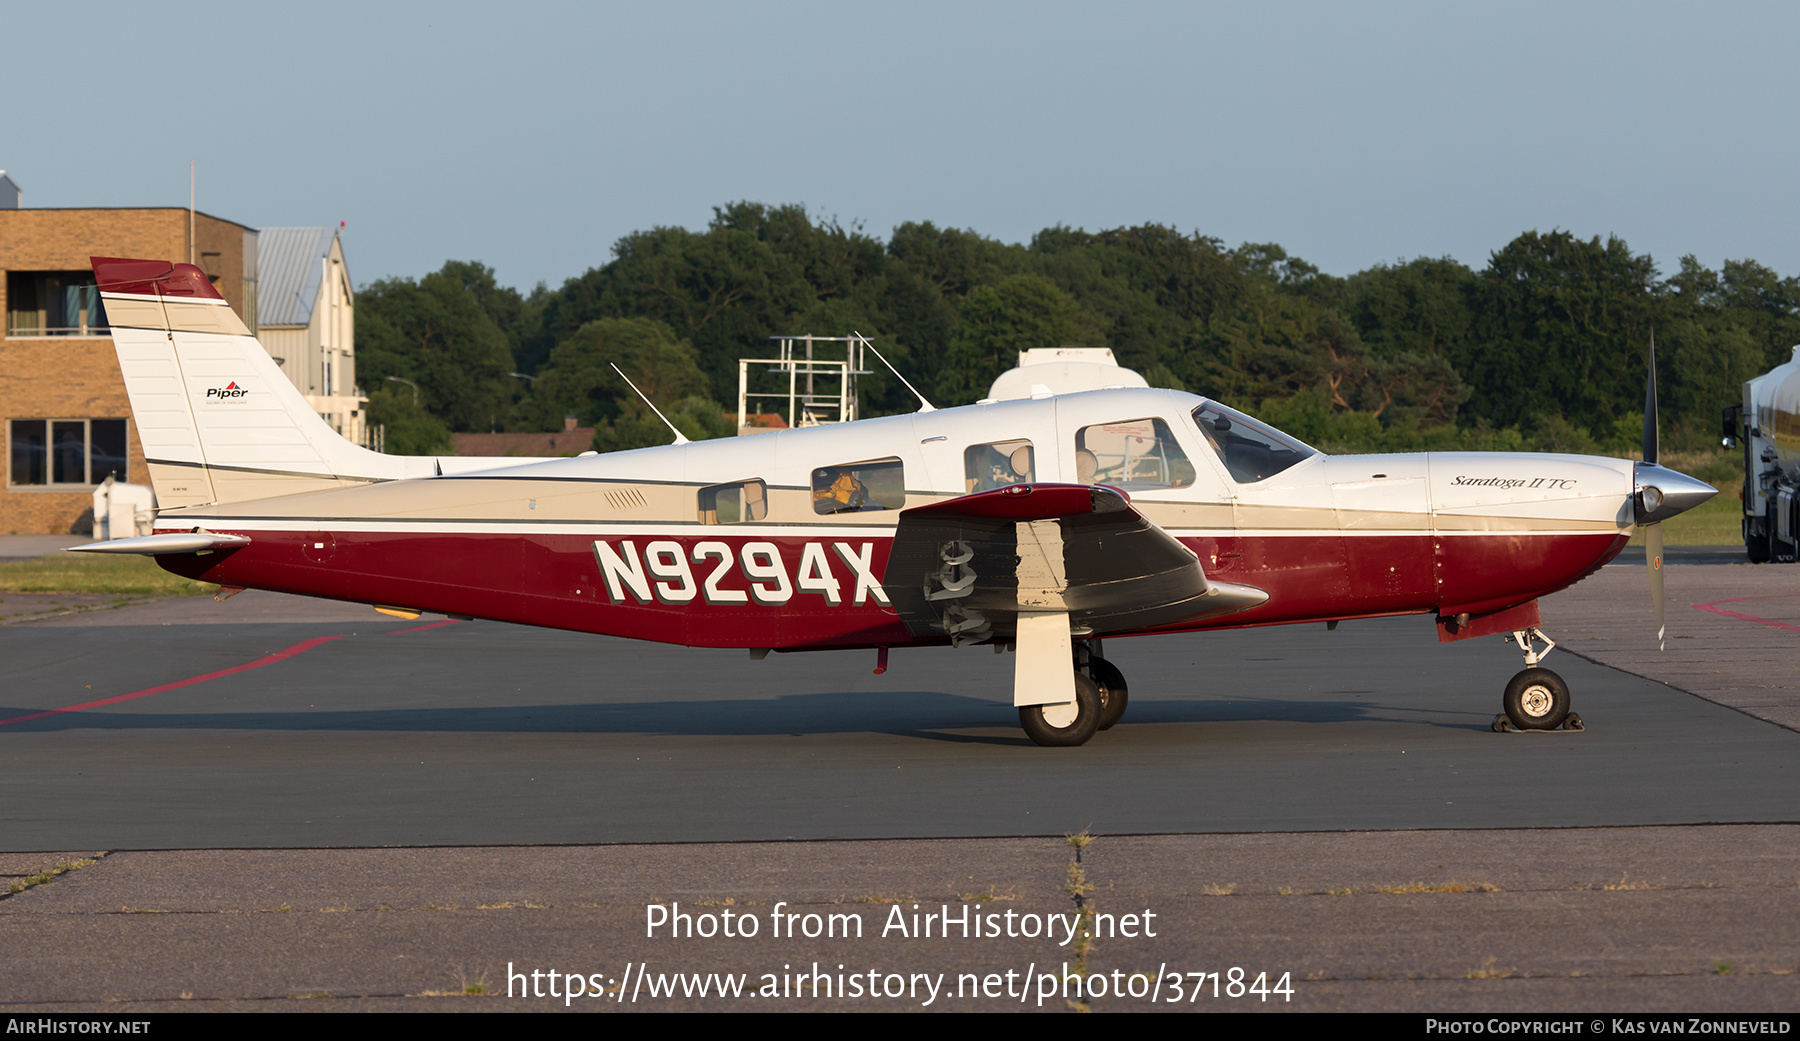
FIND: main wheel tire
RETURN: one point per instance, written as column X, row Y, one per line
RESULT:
column 1537, row 699
column 1113, row 695
column 1059, row 729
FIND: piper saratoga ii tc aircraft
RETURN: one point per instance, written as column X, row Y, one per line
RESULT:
column 1043, row 524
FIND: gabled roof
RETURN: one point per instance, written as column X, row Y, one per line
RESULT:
column 288, row 260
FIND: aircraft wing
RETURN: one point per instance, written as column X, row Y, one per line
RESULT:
column 967, row 567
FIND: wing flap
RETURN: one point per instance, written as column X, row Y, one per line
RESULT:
column 967, row 567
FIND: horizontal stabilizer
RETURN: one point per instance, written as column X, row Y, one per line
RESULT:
column 171, row 542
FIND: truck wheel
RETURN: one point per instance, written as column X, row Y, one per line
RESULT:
column 1756, row 545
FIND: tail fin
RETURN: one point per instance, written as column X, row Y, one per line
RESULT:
column 218, row 420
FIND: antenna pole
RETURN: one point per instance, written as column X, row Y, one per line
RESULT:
column 680, row 438
column 924, row 406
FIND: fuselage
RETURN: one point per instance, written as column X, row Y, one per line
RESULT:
column 781, row 540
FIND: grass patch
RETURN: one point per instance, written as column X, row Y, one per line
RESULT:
column 1080, row 890
column 1487, row 971
column 61, row 867
column 985, row 896
column 1439, row 887
column 126, row 575
column 465, row 988
column 1719, row 520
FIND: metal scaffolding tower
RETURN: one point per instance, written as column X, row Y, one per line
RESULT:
column 812, row 399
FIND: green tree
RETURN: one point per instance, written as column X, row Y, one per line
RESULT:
column 578, row 380
column 1417, row 308
column 1021, row 313
column 1562, row 326
column 407, row 429
column 437, row 333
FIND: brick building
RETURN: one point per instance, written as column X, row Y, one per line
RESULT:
column 63, row 409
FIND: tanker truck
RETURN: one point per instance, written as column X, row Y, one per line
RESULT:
column 1768, row 426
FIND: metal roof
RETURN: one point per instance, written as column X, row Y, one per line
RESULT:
column 291, row 271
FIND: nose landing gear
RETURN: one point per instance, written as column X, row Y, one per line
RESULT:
column 1536, row 699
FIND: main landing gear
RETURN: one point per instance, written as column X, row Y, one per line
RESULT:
column 1536, row 699
column 1100, row 699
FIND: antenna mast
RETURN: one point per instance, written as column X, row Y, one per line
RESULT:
column 924, row 406
column 680, row 438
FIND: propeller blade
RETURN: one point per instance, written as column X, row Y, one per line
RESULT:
column 1650, row 404
column 1653, row 556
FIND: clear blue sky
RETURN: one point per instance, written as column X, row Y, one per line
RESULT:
column 531, row 137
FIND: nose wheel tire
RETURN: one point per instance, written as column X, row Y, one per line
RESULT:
column 1113, row 694
column 1537, row 699
column 1063, row 726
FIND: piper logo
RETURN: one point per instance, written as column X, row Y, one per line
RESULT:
column 225, row 393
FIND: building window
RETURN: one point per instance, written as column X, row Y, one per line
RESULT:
column 53, row 303
column 68, row 452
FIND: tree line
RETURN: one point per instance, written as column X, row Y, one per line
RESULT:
column 1543, row 348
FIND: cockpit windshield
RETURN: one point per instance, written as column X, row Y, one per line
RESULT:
column 1251, row 451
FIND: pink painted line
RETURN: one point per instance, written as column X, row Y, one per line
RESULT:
column 299, row 648
column 1715, row 609
column 422, row 628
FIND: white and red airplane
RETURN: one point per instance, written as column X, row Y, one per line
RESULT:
column 1042, row 525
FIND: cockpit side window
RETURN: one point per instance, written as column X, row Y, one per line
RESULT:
column 737, row 503
column 996, row 465
column 879, row 484
column 1252, row 451
column 1131, row 454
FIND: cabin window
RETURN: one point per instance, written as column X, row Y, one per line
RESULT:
column 1131, row 454
column 1252, row 451
column 986, row 467
column 879, row 484
column 738, row 503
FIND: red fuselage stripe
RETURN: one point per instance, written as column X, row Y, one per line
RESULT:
column 716, row 588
